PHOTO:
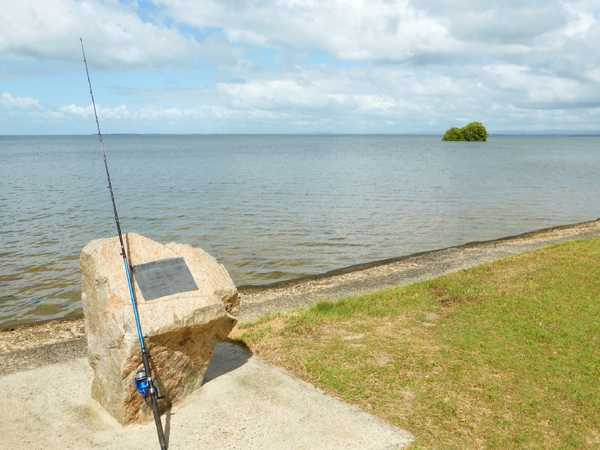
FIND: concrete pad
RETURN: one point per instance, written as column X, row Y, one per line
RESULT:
column 245, row 404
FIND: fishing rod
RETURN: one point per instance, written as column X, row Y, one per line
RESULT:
column 143, row 378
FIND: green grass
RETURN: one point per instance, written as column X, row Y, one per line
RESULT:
column 506, row 355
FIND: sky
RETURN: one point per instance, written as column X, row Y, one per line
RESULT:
column 300, row 66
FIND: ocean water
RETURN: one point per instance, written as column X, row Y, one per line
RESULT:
column 273, row 207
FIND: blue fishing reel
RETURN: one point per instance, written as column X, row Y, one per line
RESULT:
column 142, row 383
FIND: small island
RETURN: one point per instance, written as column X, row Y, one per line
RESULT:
column 475, row 131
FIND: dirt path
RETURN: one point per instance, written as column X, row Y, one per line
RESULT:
column 52, row 342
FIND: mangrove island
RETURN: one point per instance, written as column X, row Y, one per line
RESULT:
column 475, row 131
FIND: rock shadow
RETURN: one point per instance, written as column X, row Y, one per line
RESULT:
column 227, row 357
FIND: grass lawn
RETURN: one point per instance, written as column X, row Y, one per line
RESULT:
column 505, row 355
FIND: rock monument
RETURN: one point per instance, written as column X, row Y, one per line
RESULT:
column 180, row 327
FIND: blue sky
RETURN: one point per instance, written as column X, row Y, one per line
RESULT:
column 300, row 66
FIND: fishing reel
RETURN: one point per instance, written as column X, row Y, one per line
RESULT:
column 143, row 384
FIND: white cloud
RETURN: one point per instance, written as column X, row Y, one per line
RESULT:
column 397, row 98
column 301, row 95
column 580, row 21
column 376, row 88
column 154, row 114
column 349, row 29
column 533, row 89
column 123, row 112
column 11, row 101
column 114, row 33
column 397, row 30
column 551, row 42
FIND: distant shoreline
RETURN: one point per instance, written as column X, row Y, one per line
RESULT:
column 320, row 134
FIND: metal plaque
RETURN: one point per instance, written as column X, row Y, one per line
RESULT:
column 164, row 277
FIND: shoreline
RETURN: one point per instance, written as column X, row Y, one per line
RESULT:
column 381, row 262
column 34, row 345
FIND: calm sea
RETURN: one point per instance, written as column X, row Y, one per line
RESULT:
column 274, row 207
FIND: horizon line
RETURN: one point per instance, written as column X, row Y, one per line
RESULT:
column 564, row 133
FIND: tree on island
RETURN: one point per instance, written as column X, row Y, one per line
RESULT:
column 475, row 131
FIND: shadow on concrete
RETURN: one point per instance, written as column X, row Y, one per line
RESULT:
column 167, row 429
column 228, row 356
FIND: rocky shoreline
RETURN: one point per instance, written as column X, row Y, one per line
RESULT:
column 27, row 347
